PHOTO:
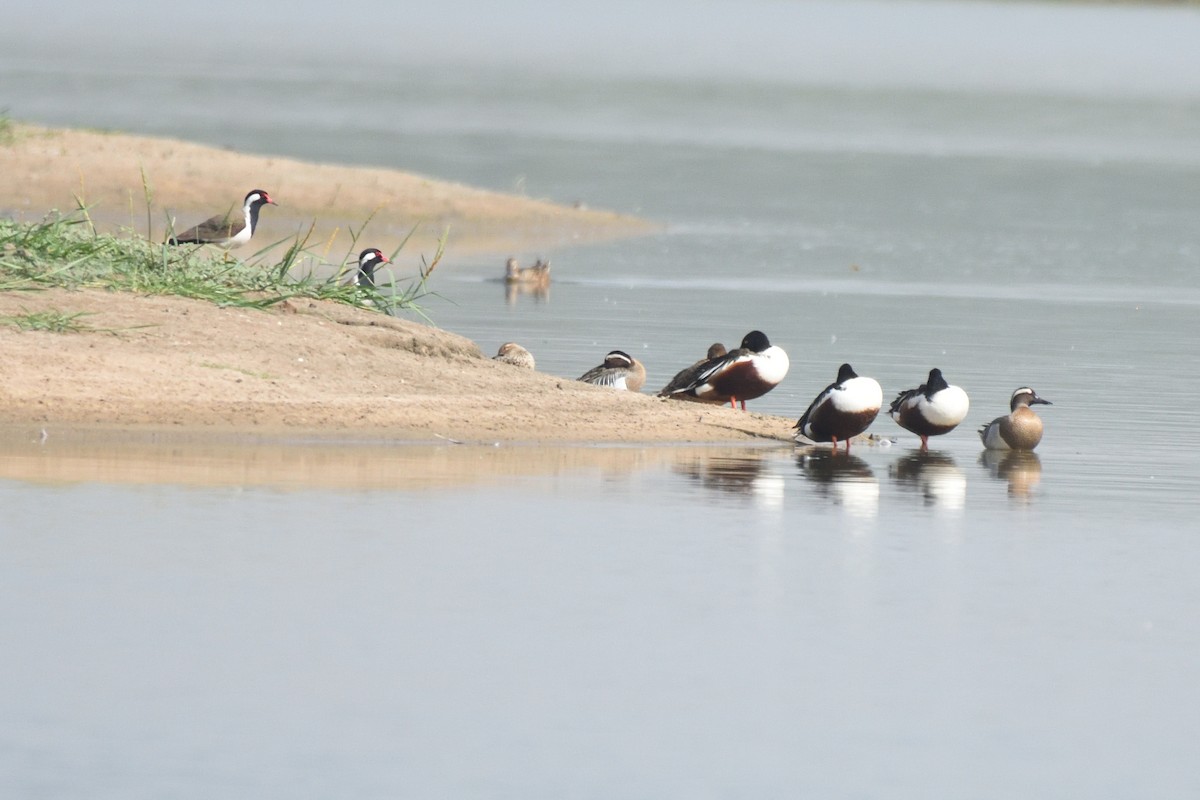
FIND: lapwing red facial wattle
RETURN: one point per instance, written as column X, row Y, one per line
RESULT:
column 229, row 230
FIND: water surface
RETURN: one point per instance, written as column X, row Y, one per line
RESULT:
column 1005, row 191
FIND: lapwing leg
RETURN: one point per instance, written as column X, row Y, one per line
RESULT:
column 924, row 444
column 733, row 403
column 834, row 438
column 743, row 402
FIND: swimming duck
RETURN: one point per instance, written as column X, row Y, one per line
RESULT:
column 844, row 409
column 226, row 230
column 747, row 373
column 539, row 273
column 685, row 376
column 933, row 408
column 513, row 353
column 364, row 273
column 620, row 371
column 1021, row 429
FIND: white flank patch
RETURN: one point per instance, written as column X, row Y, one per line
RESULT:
column 948, row 407
column 772, row 365
column 857, row 395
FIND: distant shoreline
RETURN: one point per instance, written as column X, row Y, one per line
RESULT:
column 45, row 168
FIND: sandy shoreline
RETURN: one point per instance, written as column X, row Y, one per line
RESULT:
column 303, row 368
column 313, row 368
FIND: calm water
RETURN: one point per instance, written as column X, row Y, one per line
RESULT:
column 1008, row 192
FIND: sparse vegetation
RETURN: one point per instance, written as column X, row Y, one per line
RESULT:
column 51, row 320
column 8, row 133
column 65, row 250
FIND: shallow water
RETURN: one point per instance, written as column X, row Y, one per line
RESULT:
column 1015, row 203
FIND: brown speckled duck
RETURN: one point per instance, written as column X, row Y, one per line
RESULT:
column 513, row 353
column 538, row 274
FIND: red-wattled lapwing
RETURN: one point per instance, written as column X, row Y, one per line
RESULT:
column 229, row 230
column 364, row 274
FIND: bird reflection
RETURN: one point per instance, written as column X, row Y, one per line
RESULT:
column 539, row 292
column 743, row 475
column 1021, row 468
column 934, row 475
column 845, row 479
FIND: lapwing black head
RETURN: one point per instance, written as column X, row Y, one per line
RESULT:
column 368, row 261
column 228, row 230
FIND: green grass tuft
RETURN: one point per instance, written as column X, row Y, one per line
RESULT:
column 66, row 251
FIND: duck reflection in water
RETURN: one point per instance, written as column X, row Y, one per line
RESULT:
column 845, row 479
column 933, row 475
column 540, row 292
column 1021, row 468
column 742, row 475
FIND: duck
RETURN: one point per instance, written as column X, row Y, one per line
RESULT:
column 226, row 230
column 513, row 353
column 744, row 374
column 364, row 273
column 686, row 375
column 620, row 370
column 932, row 409
column 539, row 273
column 843, row 409
column 1020, row 429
